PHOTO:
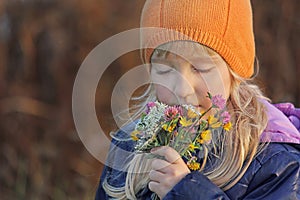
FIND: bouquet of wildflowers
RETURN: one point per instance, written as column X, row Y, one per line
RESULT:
column 181, row 127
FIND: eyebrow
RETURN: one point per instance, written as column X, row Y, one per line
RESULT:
column 192, row 61
column 203, row 59
column 161, row 61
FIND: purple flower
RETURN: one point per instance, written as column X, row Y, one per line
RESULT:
column 149, row 106
column 171, row 113
column 218, row 101
column 226, row 117
column 180, row 111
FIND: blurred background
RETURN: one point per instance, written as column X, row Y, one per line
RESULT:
column 42, row 45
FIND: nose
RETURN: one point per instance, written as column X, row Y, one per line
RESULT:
column 184, row 89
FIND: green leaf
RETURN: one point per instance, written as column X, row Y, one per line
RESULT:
column 209, row 95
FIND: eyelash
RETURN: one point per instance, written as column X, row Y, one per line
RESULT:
column 161, row 72
column 164, row 72
column 201, row 70
column 194, row 69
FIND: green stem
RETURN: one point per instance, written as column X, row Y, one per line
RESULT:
column 199, row 119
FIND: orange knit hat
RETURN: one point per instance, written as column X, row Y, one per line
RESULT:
column 222, row 25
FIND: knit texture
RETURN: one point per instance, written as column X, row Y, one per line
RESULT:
column 222, row 25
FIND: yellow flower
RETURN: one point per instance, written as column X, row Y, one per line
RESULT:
column 211, row 119
column 192, row 147
column 191, row 114
column 168, row 127
column 200, row 140
column 206, row 136
column 213, row 122
column 185, row 122
column 216, row 125
column 165, row 127
column 193, row 165
column 171, row 127
column 133, row 135
column 227, row 126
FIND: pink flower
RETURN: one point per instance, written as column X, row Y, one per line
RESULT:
column 180, row 111
column 226, row 117
column 218, row 101
column 149, row 106
column 171, row 113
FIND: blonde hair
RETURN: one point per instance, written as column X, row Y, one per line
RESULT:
column 242, row 142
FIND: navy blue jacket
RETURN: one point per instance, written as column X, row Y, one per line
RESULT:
column 273, row 174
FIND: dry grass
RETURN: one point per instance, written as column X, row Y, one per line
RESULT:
column 42, row 44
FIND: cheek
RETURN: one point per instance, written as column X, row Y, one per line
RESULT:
column 218, row 82
column 163, row 94
column 226, row 80
column 164, row 85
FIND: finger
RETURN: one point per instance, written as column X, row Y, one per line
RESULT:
column 168, row 153
column 153, row 186
column 156, row 176
column 157, row 188
column 159, row 165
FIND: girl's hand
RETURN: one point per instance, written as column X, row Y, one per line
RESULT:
column 165, row 174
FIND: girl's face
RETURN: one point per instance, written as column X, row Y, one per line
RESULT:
column 186, row 78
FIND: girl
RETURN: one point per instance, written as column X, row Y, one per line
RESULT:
column 258, row 159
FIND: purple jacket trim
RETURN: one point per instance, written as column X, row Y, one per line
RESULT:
column 291, row 112
column 283, row 125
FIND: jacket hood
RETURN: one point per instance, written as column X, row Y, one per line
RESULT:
column 283, row 123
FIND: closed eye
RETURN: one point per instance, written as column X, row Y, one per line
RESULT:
column 162, row 69
column 202, row 70
column 161, row 72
